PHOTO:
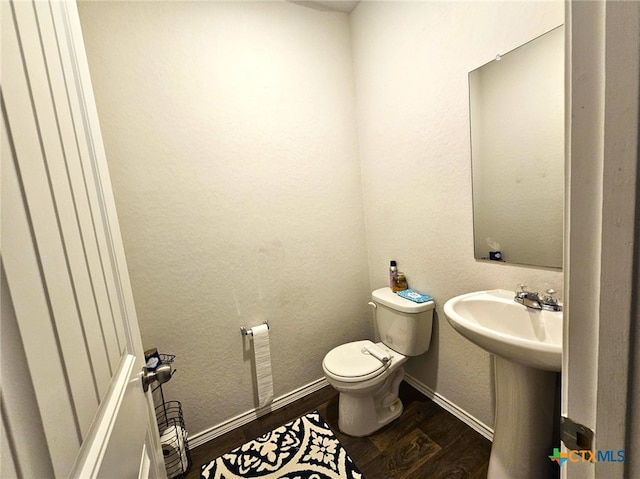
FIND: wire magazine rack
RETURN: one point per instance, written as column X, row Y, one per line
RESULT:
column 173, row 434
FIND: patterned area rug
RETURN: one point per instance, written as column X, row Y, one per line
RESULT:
column 305, row 448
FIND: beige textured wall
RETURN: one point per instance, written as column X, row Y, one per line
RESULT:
column 411, row 61
column 230, row 135
column 239, row 175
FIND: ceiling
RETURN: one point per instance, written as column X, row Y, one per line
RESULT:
column 329, row 5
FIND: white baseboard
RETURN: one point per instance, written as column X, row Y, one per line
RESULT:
column 244, row 418
column 448, row 406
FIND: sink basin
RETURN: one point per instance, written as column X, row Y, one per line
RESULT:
column 527, row 350
column 499, row 325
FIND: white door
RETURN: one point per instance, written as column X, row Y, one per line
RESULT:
column 600, row 366
column 72, row 401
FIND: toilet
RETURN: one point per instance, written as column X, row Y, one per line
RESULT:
column 368, row 375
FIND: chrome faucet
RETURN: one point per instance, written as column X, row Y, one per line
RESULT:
column 534, row 300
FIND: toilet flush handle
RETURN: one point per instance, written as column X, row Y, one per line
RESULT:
column 373, row 305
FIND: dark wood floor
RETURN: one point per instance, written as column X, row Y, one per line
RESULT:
column 425, row 442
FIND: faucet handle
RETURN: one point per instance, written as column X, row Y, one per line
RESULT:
column 549, row 296
column 521, row 288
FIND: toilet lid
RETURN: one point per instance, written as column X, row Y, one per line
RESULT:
column 353, row 362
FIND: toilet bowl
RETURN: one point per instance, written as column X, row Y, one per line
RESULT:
column 368, row 388
column 368, row 375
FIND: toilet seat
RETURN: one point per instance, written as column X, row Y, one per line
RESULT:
column 352, row 363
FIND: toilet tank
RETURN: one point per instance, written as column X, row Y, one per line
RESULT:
column 403, row 325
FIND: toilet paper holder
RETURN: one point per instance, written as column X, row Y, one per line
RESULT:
column 249, row 332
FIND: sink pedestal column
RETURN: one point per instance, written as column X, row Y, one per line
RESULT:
column 523, row 430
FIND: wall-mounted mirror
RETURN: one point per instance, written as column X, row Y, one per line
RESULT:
column 517, row 153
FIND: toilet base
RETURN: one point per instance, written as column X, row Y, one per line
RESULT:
column 352, row 425
column 362, row 414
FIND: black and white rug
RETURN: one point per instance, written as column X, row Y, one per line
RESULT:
column 305, row 448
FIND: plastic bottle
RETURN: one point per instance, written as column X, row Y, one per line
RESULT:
column 393, row 270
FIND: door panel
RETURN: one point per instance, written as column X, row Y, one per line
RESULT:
column 84, row 176
column 39, row 164
column 71, row 196
column 84, row 255
column 20, row 413
column 21, row 261
column 64, row 264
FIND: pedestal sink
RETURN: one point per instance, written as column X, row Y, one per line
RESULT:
column 527, row 347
